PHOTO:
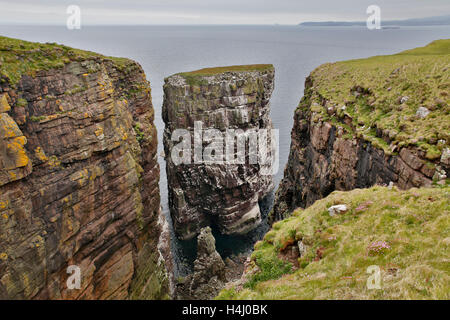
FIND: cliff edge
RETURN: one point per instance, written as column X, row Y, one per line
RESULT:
column 378, row 243
column 383, row 120
column 371, row 121
column 78, row 176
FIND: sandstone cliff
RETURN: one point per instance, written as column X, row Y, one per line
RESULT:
column 372, row 121
column 78, row 176
column 220, row 194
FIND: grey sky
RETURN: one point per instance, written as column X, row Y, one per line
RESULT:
column 213, row 11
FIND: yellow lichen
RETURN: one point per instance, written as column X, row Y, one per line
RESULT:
column 40, row 154
column 54, row 162
column 16, row 146
column 4, row 105
column 3, row 256
column 99, row 131
column 3, row 204
column 12, row 175
column 8, row 128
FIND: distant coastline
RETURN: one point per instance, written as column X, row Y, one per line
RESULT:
column 430, row 21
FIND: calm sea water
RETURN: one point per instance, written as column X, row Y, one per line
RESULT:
column 294, row 51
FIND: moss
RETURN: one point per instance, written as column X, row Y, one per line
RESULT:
column 139, row 134
column 433, row 152
column 18, row 58
column 194, row 78
column 76, row 89
column 21, row 103
column 271, row 267
column 405, row 233
column 150, row 280
column 217, row 70
column 37, row 119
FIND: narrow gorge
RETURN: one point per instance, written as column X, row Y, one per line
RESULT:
column 366, row 182
column 366, row 186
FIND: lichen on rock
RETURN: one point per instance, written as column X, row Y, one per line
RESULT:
column 76, row 185
column 208, row 277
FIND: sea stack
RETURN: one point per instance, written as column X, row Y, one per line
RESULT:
column 201, row 109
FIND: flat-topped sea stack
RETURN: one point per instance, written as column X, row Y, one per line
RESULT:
column 200, row 110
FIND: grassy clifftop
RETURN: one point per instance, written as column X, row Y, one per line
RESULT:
column 243, row 68
column 196, row 77
column 19, row 57
column 405, row 233
column 405, row 96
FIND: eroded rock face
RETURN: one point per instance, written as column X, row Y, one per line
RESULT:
column 79, row 184
column 322, row 159
column 224, row 195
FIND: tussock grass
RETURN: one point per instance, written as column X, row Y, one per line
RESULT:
column 415, row 224
column 19, row 57
column 195, row 77
column 371, row 90
column 217, row 70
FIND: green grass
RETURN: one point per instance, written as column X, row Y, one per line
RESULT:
column 18, row 58
column 421, row 74
column 415, row 224
column 195, row 77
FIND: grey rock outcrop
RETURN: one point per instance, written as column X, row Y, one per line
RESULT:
column 209, row 270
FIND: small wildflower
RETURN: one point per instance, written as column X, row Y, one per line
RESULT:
column 378, row 247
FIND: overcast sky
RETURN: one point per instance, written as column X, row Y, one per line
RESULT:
column 213, row 11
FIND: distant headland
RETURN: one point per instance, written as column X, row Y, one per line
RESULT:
column 430, row 21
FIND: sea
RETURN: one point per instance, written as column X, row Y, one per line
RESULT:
column 295, row 51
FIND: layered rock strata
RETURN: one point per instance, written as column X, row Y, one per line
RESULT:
column 78, row 176
column 219, row 193
column 378, row 135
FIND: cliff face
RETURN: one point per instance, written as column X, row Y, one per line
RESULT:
column 365, row 122
column 209, row 271
column 78, row 176
column 221, row 194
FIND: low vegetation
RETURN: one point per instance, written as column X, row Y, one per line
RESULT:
column 384, row 94
column 404, row 233
column 18, row 58
column 195, row 77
